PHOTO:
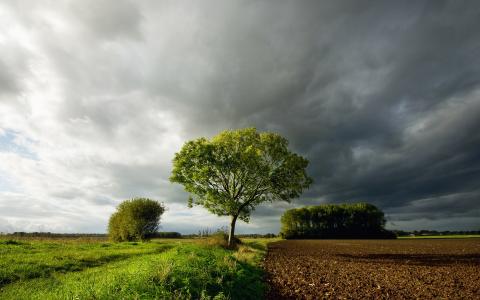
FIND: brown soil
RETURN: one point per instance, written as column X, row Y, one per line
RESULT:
column 374, row 269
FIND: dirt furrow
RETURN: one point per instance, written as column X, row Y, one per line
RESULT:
column 374, row 269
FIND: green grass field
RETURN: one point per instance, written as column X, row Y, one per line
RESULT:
column 161, row 269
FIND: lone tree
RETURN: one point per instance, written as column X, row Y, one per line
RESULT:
column 237, row 170
column 135, row 219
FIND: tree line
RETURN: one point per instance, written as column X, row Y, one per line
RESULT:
column 435, row 232
column 358, row 220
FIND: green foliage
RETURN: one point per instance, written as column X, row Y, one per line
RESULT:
column 135, row 219
column 220, row 238
column 358, row 220
column 166, row 235
column 237, row 170
column 165, row 270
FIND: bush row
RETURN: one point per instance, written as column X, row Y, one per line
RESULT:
column 358, row 220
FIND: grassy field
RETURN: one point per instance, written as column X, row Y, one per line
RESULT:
column 162, row 269
column 453, row 236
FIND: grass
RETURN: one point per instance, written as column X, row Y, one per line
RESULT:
column 161, row 269
column 452, row 236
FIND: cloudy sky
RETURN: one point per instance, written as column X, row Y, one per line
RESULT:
column 97, row 96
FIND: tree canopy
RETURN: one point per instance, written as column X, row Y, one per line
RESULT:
column 357, row 220
column 236, row 170
column 135, row 219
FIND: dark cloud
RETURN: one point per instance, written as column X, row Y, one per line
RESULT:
column 383, row 99
column 109, row 19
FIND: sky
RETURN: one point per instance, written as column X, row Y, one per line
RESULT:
column 96, row 97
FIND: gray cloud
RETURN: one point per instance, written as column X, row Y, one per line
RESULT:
column 383, row 99
column 7, row 83
column 108, row 19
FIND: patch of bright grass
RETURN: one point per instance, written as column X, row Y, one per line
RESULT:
column 156, row 270
column 21, row 260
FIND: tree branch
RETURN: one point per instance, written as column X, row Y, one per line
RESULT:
column 253, row 197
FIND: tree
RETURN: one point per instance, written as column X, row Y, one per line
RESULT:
column 237, row 170
column 357, row 220
column 135, row 219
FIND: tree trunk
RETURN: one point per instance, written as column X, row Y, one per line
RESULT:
column 232, row 231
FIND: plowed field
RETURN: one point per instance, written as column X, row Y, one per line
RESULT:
column 374, row 269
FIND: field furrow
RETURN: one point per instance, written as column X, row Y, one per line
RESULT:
column 378, row 269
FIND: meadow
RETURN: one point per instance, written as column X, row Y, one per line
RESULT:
column 161, row 269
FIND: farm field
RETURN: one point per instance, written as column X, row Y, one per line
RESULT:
column 161, row 269
column 379, row 269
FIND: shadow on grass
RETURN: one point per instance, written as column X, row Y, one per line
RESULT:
column 419, row 259
column 11, row 242
column 247, row 283
column 257, row 246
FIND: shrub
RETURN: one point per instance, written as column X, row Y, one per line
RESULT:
column 165, row 235
column 135, row 219
column 220, row 238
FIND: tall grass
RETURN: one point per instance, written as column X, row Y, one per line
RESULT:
column 156, row 270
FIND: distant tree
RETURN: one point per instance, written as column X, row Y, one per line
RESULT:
column 237, row 170
column 135, row 219
column 357, row 220
column 166, row 235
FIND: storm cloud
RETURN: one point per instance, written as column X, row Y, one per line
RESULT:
column 96, row 97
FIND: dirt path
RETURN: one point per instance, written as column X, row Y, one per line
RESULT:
column 374, row 269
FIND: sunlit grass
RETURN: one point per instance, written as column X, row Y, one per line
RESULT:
column 161, row 269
